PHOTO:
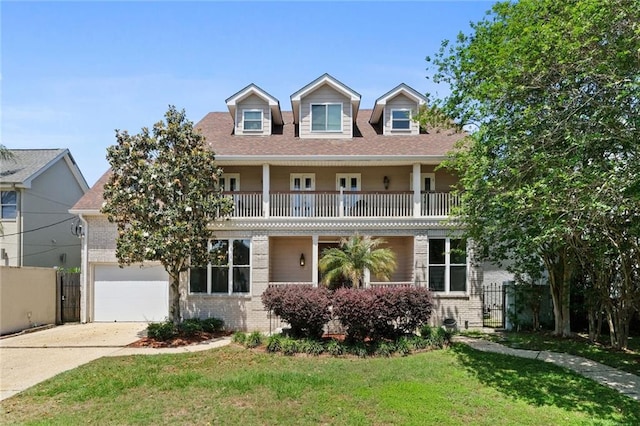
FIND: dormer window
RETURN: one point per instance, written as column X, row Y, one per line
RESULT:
column 401, row 119
column 252, row 120
column 326, row 117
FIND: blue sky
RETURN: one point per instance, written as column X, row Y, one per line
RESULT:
column 73, row 72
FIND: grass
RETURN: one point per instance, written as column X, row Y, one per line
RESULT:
column 628, row 360
column 233, row 385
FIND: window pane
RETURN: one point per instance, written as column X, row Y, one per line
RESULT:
column 252, row 125
column 318, row 117
column 459, row 252
column 9, row 212
column 436, row 278
column 436, row 252
column 458, row 278
column 198, row 280
column 8, row 197
column 240, row 252
column 241, row 280
column 334, row 119
column 220, row 250
column 400, row 114
column 253, row 115
column 401, row 124
column 219, row 280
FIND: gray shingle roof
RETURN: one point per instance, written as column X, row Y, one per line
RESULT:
column 217, row 127
column 26, row 163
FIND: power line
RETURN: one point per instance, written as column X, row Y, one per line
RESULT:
column 39, row 228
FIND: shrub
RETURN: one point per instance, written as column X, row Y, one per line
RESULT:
column 382, row 313
column 162, row 330
column 239, row 337
column 335, row 348
column 354, row 309
column 312, row 347
column 189, row 327
column 254, row 340
column 384, row 348
column 304, row 307
column 403, row 346
column 212, row 325
column 289, row 346
column 408, row 307
column 274, row 343
column 358, row 349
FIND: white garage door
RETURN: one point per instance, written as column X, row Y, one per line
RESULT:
column 131, row 293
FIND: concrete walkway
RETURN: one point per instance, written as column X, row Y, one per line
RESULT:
column 626, row 383
column 30, row 358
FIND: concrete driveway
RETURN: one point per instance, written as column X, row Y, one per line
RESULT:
column 31, row 358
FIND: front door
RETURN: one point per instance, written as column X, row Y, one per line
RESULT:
column 302, row 204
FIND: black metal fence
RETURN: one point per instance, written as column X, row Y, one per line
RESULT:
column 493, row 305
column 68, row 288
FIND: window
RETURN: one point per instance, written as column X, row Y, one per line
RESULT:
column 230, row 182
column 326, row 117
column 447, row 265
column 8, row 204
column 401, row 119
column 230, row 273
column 252, row 120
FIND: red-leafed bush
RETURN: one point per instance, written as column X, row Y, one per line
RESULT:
column 304, row 307
column 386, row 312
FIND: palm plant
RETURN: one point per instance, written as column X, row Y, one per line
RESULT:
column 356, row 254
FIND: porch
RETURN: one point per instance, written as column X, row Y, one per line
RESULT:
column 336, row 204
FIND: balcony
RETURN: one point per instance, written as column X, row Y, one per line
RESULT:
column 337, row 204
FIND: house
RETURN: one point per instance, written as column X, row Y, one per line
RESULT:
column 301, row 180
column 37, row 189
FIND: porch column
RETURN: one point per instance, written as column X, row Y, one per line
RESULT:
column 416, row 190
column 314, row 260
column 265, row 190
column 366, row 278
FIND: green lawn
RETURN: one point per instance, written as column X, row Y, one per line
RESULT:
column 628, row 360
column 234, row 385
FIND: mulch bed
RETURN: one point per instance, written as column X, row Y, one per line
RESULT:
column 180, row 340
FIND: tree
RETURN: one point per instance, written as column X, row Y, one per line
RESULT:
column 355, row 255
column 5, row 154
column 554, row 91
column 163, row 194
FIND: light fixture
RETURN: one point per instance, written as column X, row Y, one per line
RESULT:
column 301, row 259
column 386, row 181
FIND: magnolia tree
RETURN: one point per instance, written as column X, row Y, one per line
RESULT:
column 163, row 193
column 554, row 92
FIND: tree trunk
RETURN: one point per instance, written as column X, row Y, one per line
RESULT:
column 560, row 285
column 174, row 297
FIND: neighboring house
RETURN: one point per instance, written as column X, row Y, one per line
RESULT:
column 301, row 181
column 37, row 189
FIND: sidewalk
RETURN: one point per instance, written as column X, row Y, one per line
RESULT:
column 626, row 383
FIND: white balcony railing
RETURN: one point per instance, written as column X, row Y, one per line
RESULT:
column 325, row 204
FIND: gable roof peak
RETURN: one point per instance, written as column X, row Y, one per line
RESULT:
column 253, row 89
column 401, row 88
column 325, row 79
